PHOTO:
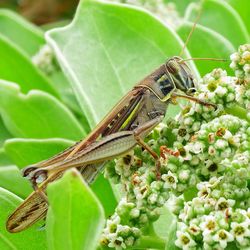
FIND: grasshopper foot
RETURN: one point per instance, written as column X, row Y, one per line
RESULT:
column 167, row 151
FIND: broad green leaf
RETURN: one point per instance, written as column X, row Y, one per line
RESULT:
column 66, row 92
column 12, row 180
column 4, row 133
column 30, row 42
column 36, row 115
column 206, row 43
column 16, row 66
column 21, row 32
column 28, row 239
column 75, row 218
column 4, row 159
column 24, row 152
column 107, row 49
column 165, row 227
column 181, row 5
column 222, row 18
column 105, row 194
column 242, row 7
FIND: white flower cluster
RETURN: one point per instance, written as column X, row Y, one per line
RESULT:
column 165, row 11
column 208, row 222
column 119, row 236
column 145, row 194
column 205, row 169
column 215, row 87
column 241, row 65
column 44, row 59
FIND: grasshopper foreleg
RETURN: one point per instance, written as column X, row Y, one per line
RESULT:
column 194, row 99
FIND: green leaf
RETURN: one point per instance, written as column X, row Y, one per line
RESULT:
column 31, row 40
column 107, row 49
column 11, row 179
column 36, row 115
column 190, row 193
column 103, row 190
column 24, row 152
column 181, row 5
column 16, row 66
column 4, row 133
column 4, row 159
column 29, row 239
column 24, row 34
column 165, row 227
column 75, row 218
column 206, row 43
column 242, row 7
column 221, row 17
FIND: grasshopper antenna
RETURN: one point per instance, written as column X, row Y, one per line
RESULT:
column 189, row 37
column 191, row 32
column 205, row 59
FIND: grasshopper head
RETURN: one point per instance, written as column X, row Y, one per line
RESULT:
column 181, row 75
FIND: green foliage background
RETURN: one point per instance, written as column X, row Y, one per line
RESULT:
column 102, row 53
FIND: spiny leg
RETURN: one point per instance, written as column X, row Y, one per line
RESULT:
column 138, row 134
column 191, row 98
column 153, row 154
column 41, row 193
column 165, row 149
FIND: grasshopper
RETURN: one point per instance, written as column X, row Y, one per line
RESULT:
column 135, row 115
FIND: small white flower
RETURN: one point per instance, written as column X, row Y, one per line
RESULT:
column 204, row 192
column 194, row 229
column 187, row 212
column 230, row 97
column 211, row 150
column 240, row 231
column 209, row 223
column 129, row 241
column 235, row 57
column 184, row 240
column 223, row 204
column 223, row 237
column 221, row 144
column 170, row 180
column 196, row 147
column 152, row 199
column 135, row 213
column 117, row 243
column 220, row 91
column 184, row 175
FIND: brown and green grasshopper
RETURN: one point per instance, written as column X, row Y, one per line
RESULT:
column 137, row 113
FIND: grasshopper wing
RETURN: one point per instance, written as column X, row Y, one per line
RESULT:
column 31, row 210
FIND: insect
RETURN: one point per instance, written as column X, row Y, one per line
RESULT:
column 135, row 115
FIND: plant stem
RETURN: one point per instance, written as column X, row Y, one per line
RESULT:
column 239, row 112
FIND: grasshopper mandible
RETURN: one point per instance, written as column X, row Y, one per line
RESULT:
column 137, row 113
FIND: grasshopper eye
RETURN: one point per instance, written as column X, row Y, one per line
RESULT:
column 173, row 67
column 165, row 85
